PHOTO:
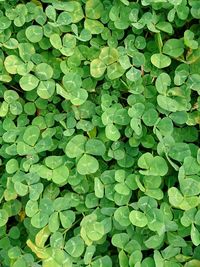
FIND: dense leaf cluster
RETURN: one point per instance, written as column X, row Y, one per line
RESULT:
column 100, row 113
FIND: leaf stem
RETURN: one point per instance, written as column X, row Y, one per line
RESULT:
column 66, row 230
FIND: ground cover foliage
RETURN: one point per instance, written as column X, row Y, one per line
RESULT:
column 99, row 155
